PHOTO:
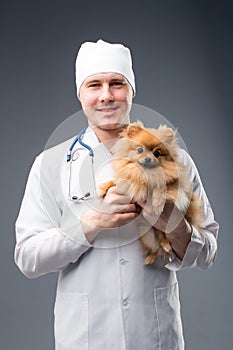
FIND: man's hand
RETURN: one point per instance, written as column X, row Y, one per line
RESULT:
column 114, row 210
column 172, row 222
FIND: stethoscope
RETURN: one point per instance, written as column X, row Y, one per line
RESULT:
column 69, row 159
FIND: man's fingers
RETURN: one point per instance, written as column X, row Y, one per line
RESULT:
column 117, row 198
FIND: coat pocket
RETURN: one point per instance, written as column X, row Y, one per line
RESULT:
column 71, row 321
column 167, row 308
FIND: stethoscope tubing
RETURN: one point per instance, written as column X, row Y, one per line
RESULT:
column 78, row 139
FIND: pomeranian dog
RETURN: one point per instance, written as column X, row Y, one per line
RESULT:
column 145, row 164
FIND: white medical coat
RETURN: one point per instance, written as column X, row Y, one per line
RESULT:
column 106, row 297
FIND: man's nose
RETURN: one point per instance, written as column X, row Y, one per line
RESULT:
column 106, row 94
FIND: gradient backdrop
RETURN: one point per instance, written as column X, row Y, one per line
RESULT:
column 182, row 52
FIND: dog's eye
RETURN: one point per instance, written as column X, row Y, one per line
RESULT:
column 140, row 150
column 157, row 153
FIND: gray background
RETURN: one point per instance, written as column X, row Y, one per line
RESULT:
column 182, row 53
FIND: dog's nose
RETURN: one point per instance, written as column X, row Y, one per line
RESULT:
column 147, row 160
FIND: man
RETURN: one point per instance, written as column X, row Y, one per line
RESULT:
column 107, row 298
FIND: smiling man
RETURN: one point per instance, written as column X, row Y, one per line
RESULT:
column 106, row 99
column 107, row 298
column 105, row 83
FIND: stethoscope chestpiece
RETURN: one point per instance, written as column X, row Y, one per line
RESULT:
column 76, row 198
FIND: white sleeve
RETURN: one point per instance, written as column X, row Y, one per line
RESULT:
column 202, row 249
column 41, row 245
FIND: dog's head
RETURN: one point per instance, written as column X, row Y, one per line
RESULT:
column 149, row 148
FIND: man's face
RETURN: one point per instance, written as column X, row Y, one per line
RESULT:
column 106, row 99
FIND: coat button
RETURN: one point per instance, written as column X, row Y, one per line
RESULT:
column 123, row 261
column 125, row 302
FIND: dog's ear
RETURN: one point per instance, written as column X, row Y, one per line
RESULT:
column 133, row 129
column 165, row 134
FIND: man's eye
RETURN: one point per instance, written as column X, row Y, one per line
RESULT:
column 94, row 85
column 117, row 83
column 140, row 150
column 157, row 153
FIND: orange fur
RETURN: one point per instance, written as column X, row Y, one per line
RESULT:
column 146, row 162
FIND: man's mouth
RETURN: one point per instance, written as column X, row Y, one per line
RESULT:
column 107, row 109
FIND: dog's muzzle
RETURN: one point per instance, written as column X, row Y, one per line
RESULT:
column 148, row 163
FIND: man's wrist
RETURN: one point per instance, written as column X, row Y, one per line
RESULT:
column 180, row 237
column 90, row 231
column 182, row 229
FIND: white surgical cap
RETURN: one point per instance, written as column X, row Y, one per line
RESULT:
column 103, row 57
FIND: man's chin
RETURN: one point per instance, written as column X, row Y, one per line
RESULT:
column 111, row 126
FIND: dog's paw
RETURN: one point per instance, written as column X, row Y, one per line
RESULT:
column 102, row 189
column 165, row 245
column 150, row 259
column 100, row 193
